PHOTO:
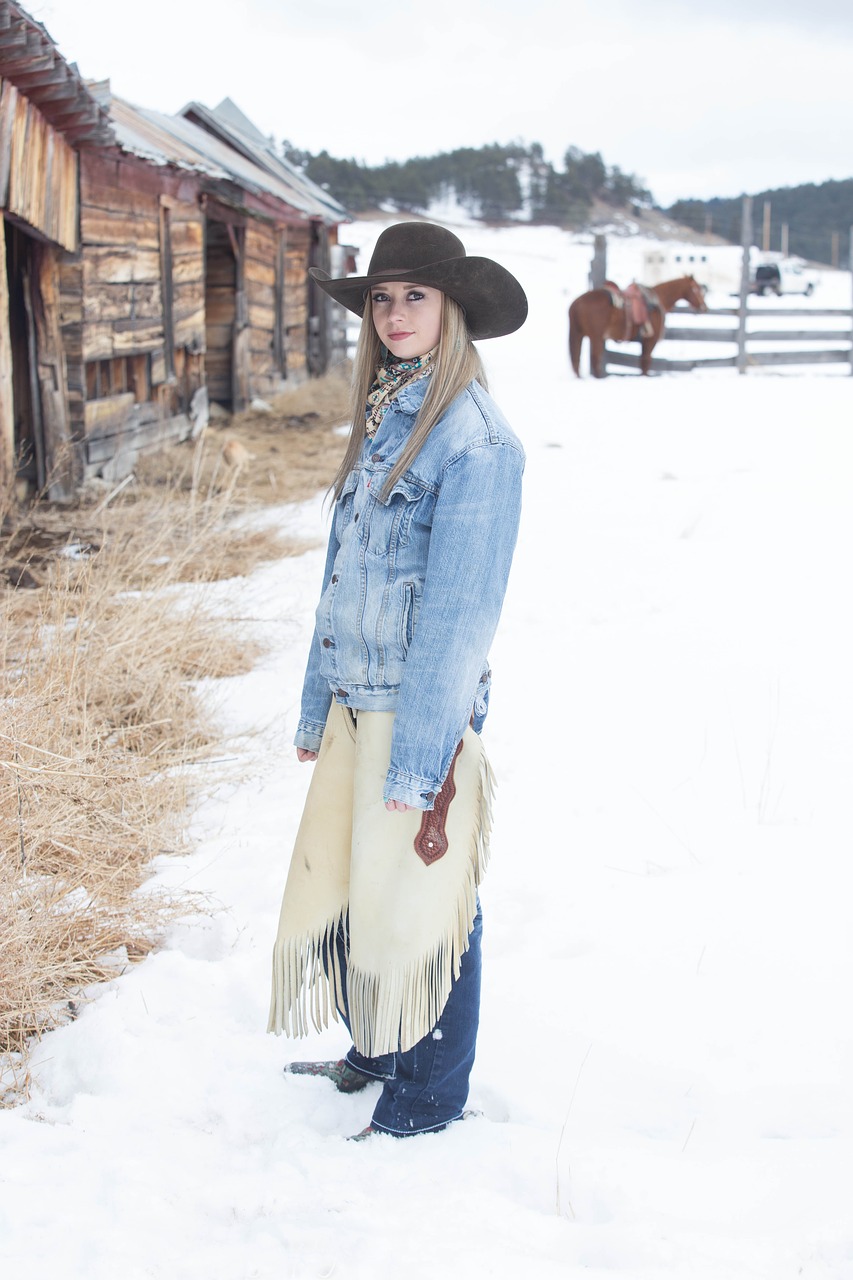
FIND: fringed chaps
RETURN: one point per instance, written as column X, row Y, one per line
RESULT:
column 406, row 906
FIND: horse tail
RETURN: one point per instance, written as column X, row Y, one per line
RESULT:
column 576, row 337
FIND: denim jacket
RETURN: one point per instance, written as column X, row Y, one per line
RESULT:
column 414, row 583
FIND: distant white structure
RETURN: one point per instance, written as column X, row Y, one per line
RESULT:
column 717, row 268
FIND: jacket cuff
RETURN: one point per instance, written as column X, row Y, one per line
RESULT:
column 417, row 792
column 309, row 735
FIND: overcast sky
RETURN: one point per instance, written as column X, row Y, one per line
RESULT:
column 752, row 95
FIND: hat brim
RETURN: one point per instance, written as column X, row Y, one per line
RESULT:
column 493, row 301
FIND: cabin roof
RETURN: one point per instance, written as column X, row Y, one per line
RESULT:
column 233, row 127
column 175, row 140
column 31, row 61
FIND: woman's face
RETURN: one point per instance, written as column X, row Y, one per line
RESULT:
column 407, row 317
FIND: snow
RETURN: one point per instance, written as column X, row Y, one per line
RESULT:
column 664, row 1059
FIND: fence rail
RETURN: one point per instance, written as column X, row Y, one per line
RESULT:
column 738, row 334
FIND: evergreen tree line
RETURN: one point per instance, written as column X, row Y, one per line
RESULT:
column 818, row 218
column 493, row 182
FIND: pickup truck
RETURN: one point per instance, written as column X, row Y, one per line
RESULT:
column 788, row 276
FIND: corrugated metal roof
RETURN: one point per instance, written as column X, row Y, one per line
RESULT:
column 236, row 129
column 165, row 139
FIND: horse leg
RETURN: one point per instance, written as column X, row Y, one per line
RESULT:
column 576, row 337
column 596, row 355
column 647, row 345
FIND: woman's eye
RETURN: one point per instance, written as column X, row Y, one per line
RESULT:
column 415, row 296
column 379, row 297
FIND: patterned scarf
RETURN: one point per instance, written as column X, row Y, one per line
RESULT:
column 391, row 376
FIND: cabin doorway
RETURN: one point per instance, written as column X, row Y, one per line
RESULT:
column 225, row 315
column 28, row 435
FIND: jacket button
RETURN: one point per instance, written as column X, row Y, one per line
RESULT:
column 355, row 517
column 427, row 795
column 327, row 643
column 342, row 693
column 334, row 577
column 376, row 457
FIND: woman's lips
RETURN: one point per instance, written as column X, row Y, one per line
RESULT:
column 398, row 337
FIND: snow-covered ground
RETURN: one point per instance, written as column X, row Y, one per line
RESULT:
column 664, row 1060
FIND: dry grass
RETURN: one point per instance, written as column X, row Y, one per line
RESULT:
column 100, row 716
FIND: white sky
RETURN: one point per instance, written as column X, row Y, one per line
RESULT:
column 753, row 95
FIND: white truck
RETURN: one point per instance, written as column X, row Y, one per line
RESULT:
column 783, row 275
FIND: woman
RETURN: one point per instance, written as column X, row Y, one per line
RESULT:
column 380, row 920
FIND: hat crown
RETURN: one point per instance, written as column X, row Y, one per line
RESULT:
column 413, row 246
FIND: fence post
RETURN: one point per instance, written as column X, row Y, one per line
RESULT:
column 598, row 269
column 746, row 241
column 850, row 264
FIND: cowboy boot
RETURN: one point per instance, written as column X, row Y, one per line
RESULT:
column 344, row 1077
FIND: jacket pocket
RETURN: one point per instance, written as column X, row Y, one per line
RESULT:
column 393, row 515
column 407, row 619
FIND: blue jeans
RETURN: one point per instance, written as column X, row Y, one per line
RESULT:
column 426, row 1087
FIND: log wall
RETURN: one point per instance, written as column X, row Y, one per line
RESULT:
column 38, row 170
column 296, row 261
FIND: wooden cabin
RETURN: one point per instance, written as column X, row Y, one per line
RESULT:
column 190, row 284
column 153, row 264
column 47, row 118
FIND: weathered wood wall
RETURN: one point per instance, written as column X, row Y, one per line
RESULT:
column 297, row 260
column 126, row 390
column 38, row 170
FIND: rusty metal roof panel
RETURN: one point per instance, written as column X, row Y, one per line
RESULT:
column 174, row 140
column 229, row 123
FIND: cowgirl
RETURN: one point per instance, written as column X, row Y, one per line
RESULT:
column 380, row 921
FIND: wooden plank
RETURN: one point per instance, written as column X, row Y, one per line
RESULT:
column 262, row 295
column 108, row 302
column 631, row 360
column 187, row 237
column 261, row 318
column 7, row 402
column 100, row 188
column 189, row 295
column 260, row 272
column 799, row 357
column 120, row 266
column 134, row 337
column 118, row 227
column 137, row 438
column 758, row 335
column 101, row 416
column 187, row 267
column 190, row 330
column 8, row 100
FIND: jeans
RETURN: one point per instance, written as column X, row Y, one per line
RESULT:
column 425, row 1088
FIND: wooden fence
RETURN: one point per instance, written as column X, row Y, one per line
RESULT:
column 739, row 333
column 745, row 340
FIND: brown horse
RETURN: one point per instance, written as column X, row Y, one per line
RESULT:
column 598, row 315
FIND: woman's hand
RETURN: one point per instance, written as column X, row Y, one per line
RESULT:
column 398, row 806
column 303, row 756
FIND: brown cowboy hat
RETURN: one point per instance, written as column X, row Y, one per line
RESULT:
column 424, row 253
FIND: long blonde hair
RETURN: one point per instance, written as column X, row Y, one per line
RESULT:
column 457, row 364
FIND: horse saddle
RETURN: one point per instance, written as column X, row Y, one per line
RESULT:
column 637, row 302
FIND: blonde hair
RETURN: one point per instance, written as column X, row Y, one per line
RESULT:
column 456, row 365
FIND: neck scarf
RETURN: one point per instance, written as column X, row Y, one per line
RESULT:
column 391, row 376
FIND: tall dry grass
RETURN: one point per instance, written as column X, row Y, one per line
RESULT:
column 99, row 721
column 104, row 739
